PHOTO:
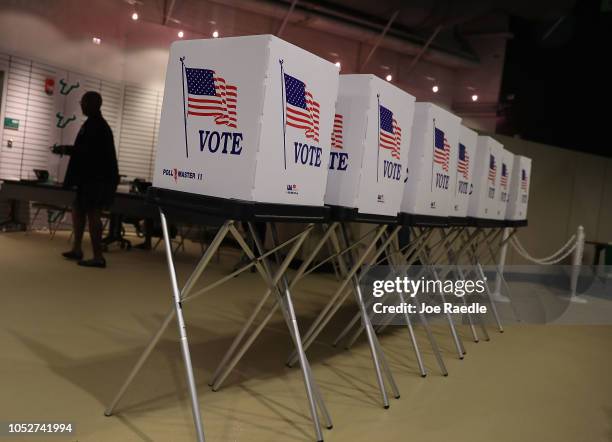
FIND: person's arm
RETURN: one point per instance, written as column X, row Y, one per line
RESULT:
column 62, row 149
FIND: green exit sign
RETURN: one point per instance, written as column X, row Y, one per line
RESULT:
column 11, row 123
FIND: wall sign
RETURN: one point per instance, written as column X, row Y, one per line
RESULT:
column 11, row 123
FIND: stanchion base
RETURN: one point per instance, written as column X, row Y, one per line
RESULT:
column 576, row 299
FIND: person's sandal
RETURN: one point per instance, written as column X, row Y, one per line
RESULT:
column 72, row 255
column 100, row 263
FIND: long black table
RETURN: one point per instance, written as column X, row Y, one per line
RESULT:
column 128, row 204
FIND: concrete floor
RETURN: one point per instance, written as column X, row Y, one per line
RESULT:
column 69, row 335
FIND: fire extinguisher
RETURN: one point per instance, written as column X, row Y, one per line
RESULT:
column 49, row 86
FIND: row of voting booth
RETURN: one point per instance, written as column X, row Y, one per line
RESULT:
column 291, row 130
column 254, row 129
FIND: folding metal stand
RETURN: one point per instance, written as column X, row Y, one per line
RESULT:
column 209, row 210
column 405, row 257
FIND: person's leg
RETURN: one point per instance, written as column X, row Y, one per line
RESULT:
column 78, row 227
column 148, row 234
column 95, row 232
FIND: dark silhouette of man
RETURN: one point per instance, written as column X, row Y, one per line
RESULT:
column 94, row 172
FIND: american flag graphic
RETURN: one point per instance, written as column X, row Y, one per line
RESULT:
column 302, row 109
column 441, row 153
column 211, row 96
column 390, row 134
column 492, row 170
column 337, row 132
column 524, row 180
column 463, row 163
column 504, row 176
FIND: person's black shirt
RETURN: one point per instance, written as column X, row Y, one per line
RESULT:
column 93, row 158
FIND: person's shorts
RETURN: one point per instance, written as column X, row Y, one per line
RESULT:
column 94, row 195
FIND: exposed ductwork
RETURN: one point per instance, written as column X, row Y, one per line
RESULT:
column 366, row 34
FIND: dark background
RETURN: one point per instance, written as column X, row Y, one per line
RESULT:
column 556, row 90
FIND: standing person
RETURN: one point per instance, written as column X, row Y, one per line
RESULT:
column 94, row 172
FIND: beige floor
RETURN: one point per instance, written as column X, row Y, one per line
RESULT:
column 68, row 336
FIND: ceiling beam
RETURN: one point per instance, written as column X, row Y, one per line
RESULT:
column 281, row 28
column 379, row 40
column 418, row 56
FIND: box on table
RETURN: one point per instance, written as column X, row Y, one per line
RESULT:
column 519, row 189
column 484, row 199
column 430, row 182
column 463, row 164
column 248, row 118
column 370, row 144
column 505, row 183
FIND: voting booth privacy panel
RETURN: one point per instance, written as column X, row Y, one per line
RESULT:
column 519, row 189
column 484, row 199
column 505, row 182
column 431, row 175
column 247, row 118
column 370, row 145
column 462, row 162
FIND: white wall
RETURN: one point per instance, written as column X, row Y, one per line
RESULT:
column 568, row 189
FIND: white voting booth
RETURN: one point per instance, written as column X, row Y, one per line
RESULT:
column 370, row 145
column 505, row 183
column 246, row 118
column 429, row 186
column 519, row 189
column 484, row 199
column 463, row 164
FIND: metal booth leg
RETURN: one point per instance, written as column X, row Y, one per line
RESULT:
column 425, row 257
column 312, row 391
column 473, row 254
column 235, row 353
column 204, row 260
column 410, row 256
column 195, row 405
column 378, row 358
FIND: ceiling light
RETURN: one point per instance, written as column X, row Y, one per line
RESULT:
column 96, row 40
column 135, row 16
column 389, row 77
column 180, row 34
column 474, row 97
column 338, row 65
column 435, row 89
column 215, row 34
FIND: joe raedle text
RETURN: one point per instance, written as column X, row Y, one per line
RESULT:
column 446, row 307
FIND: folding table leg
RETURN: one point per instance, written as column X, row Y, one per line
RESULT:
column 287, row 303
column 414, row 250
column 290, row 317
column 204, row 260
column 451, row 324
column 234, row 353
column 413, row 340
column 355, row 319
column 466, row 247
column 473, row 251
column 195, row 404
column 378, row 357
column 452, row 259
column 337, row 298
